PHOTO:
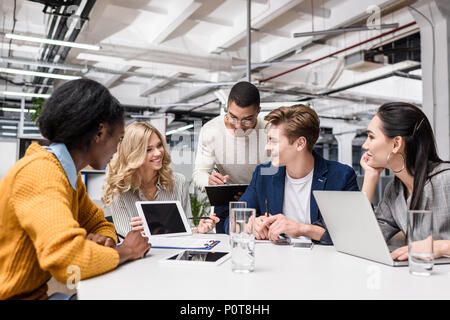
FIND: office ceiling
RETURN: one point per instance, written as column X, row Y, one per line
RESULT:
column 177, row 55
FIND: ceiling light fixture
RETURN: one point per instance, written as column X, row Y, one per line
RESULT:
column 39, row 74
column 54, row 42
column 25, row 94
column 17, row 110
column 168, row 133
column 347, row 29
column 44, row 64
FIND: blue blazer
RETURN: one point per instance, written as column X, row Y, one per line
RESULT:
column 328, row 175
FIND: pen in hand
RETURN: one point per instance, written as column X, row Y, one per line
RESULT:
column 199, row 218
column 222, row 178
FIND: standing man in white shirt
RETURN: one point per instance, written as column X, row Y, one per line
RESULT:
column 230, row 146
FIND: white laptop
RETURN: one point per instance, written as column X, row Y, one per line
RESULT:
column 353, row 227
column 163, row 218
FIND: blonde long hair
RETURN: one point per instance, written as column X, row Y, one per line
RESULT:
column 122, row 173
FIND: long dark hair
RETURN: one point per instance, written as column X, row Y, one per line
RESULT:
column 409, row 122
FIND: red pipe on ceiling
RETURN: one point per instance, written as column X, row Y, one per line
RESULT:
column 339, row 51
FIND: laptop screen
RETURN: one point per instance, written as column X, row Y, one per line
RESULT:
column 163, row 218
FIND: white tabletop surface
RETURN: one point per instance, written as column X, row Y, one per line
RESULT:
column 281, row 272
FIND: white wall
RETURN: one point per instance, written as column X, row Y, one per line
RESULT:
column 8, row 154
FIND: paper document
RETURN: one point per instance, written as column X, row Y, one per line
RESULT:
column 182, row 243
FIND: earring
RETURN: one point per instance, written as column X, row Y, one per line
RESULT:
column 389, row 158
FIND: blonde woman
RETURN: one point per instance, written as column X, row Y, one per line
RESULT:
column 140, row 171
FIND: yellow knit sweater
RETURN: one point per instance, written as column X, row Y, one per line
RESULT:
column 43, row 226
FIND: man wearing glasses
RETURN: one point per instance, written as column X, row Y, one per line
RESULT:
column 230, row 146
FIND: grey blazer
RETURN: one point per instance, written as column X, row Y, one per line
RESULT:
column 392, row 210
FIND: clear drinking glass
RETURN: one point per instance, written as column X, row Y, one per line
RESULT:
column 420, row 242
column 233, row 205
column 242, row 237
column 237, row 204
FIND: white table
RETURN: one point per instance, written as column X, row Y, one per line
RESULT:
column 282, row 272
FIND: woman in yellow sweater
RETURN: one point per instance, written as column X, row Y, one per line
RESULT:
column 48, row 224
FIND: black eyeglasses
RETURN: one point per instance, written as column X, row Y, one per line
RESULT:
column 244, row 123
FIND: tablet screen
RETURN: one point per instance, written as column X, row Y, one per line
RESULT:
column 200, row 256
column 163, row 218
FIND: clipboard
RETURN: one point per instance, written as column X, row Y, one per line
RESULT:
column 221, row 195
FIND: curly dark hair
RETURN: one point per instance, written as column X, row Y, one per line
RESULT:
column 74, row 112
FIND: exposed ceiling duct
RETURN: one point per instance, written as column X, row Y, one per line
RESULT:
column 58, row 30
column 133, row 64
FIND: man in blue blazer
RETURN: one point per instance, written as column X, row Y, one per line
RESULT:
column 281, row 190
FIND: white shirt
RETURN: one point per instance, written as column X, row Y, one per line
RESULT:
column 233, row 156
column 297, row 195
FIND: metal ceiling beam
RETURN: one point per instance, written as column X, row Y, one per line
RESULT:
column 228, row 38
column 175, row 18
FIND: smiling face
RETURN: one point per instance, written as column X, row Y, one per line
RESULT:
column 155, row 154
column 240, row 119
column 281, row 151
column 378, row 146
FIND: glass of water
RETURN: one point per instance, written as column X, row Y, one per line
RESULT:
column 242, row 237
column 237, row 204
column 420, row 242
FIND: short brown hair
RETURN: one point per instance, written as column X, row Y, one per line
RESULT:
column 299, row 121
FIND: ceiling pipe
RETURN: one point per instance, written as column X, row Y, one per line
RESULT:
column 202, row 105
column 338, row 52
column 44, row 64
column 57, row 31
column 75, row 32
column 360, row 83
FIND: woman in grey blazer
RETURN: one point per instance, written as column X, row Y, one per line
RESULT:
column 400, row 138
